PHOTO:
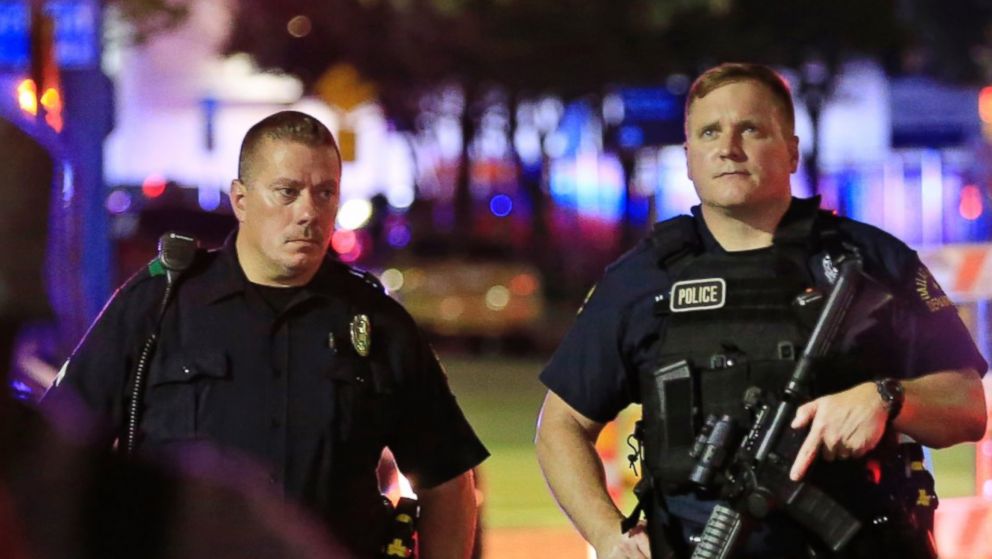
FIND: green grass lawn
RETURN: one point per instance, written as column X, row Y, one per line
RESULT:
column 501, row 398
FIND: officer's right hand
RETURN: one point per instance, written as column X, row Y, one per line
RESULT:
column 632, row 545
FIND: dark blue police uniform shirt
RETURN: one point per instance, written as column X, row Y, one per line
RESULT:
column 287, row 389
column 616, row 333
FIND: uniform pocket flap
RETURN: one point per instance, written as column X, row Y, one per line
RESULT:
column 348, row 369
column 189, row 367
column 361, row 371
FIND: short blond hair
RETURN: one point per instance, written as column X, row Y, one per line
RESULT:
column 734, row 72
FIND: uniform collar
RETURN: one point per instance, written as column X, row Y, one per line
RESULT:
column 227, row 278
column 795, row 227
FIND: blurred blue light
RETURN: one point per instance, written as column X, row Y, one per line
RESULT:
column 21, row 391
column 209, row 198
column 501, row 205
column 118, row 202
column 630, row 137
column 398, row 236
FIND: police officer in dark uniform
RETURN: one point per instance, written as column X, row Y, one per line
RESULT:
column 702, row 310
column 276, row 353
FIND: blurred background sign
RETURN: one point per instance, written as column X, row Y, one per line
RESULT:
column 341, row 86
column 77, row 27
column 650, row 116
column 928, row 113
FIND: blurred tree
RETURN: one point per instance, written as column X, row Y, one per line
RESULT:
column 148, row 17
column 525, row 50
column 813, row 38
column 951, row 41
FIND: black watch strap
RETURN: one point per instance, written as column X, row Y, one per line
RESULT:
column 893, row 395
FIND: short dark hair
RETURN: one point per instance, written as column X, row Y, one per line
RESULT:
column 284, row 125
column 733, row 72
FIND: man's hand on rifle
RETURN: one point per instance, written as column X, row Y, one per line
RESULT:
column 845, row 425
column 632, row 545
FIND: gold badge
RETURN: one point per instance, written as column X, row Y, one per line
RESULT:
column 361, row 334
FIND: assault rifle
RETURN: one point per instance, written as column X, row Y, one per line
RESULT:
column 756, row 476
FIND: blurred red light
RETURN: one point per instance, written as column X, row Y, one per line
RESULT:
column 971, row 206
column 523, row 285
column 344, row 241
column 153, row 186
column 874, row 470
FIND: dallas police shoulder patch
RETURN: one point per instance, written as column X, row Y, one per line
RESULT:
column 698, row 295
column 929, row 291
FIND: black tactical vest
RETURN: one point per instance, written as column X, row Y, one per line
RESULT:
column 729, row 323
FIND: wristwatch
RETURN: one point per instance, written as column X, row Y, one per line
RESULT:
column 893, row 395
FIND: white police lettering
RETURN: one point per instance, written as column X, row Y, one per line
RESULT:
column 698, row 295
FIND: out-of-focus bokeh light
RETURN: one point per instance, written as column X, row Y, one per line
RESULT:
column 677, row 84
column 501, row 205
column 52, row 101
column 354, row 213
column 118, row 202
column 971, row 206
column 27, row 96
column 523, row 285
column 348, row 244
column 414, row 278
column 392, row 279
column 343, row 241
column 400, row 198
column 153, row 186
column 497, row 298
column 613, row 109
column 985, row 104
column 353, row 255
column 398, row 236
column 555, row 144
column 299, row 26
column 451, row 308
column 208, row 198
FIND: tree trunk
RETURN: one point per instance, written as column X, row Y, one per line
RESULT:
column 463, row 205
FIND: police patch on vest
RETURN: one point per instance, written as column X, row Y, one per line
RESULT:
column 698, row 295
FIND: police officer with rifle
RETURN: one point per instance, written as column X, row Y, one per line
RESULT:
column 790, row 364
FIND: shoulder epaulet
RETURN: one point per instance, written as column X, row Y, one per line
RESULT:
column 368, row 277
column 675, row 237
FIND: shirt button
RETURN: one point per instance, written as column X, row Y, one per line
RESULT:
column 273, row 479
column 276, row 422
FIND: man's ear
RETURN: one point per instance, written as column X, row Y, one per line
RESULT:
column 794, row 154
column 238, row 193
column 688, row 168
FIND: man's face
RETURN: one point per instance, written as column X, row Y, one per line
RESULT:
column 286, row 211
column 739, row 151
